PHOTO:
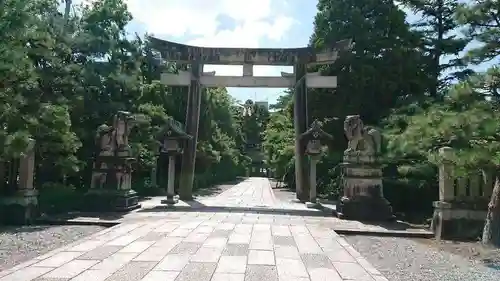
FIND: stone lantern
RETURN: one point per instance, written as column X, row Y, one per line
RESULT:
column 172, row 140
column 313, row 139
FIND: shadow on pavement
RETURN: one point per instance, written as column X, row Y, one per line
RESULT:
column 196, row 206
column 216, row 189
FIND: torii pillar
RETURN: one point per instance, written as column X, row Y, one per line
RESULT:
column 188, row 162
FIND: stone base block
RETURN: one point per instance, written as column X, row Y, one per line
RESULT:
column 19, row 209
column 313, row 205
column 100, row 200
column 365, row 208
column 170, row 201
column 458, row 220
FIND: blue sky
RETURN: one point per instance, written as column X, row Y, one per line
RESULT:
column 230, row 23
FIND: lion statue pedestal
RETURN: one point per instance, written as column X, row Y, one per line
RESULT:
column 363, row 197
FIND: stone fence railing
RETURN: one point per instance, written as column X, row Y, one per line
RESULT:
column 463, row 201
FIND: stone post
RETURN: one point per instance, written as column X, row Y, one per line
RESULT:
column 192, row 124
column 171, row 180
column 21, row 206
column 300, row 120
column 314, row 162
column 153, row 176
column 446, row 192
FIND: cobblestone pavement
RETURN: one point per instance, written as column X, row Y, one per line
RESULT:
column 205, row 245
column 253, row 192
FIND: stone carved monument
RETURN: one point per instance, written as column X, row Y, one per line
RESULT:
column 111, row 186
column 18, row 196
column 363, row 197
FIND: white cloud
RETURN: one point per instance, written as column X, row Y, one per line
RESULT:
column 254, row 20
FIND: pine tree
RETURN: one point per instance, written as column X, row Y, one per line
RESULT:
column 438, row 29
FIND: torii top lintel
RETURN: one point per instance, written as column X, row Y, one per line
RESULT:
column 172, row 51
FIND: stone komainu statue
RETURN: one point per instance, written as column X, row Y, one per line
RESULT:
column 361, row 138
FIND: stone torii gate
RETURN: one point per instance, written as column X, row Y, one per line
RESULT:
column 195, row 78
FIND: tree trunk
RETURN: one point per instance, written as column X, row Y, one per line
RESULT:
column 491, row 232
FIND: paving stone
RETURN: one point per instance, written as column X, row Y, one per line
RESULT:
column 157, row 275
column 232, row 264
column 307, row 244
column 86, row 246
column 132, row 271
column 154, row 253
column 168, row 242
column 204, row 229
column 26, row 274
column 185, row 248
column 166, row 228
column 293, row 278
column 280, row 230
column 261, row 273
column 94, row 275
column 353, row 271
column 239, row 238
column 71, row 269
column 262, row 227
column 243, row 228
column 340, row 255
column 218, row 242
column 368, row 266
column 261, row 242
column 316, row 261
column 260, row 257
column 114, row 262
column 174, row 262
column 196, row 237
column 190, row 225
column 197, row 271
column 221, row 233
column 326, row 274
column 123, row 240
column 236, row 250
column 100, row 253
column 153, row 236
column 137, row 247
column 379, row 278
column 58, row 259
column 228, row 277
column 286, row 252
column 207, row 254
column 329, row 244
column 353, row 251
column 180, row 232
column 225, row 226
column 50, row 279
column 291, row 268
column 284, row 241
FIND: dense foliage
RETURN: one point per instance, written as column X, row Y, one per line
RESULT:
column 413, row 81
column 61, row 76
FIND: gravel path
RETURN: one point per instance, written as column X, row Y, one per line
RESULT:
column 18, row 244
column 401, row 259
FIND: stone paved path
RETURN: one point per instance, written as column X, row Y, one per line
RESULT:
column 203, row 245
column 253, row 192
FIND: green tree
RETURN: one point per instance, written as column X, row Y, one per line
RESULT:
column 482, row 24
column 438, row 28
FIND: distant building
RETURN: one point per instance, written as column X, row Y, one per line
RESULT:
column 264, row 104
